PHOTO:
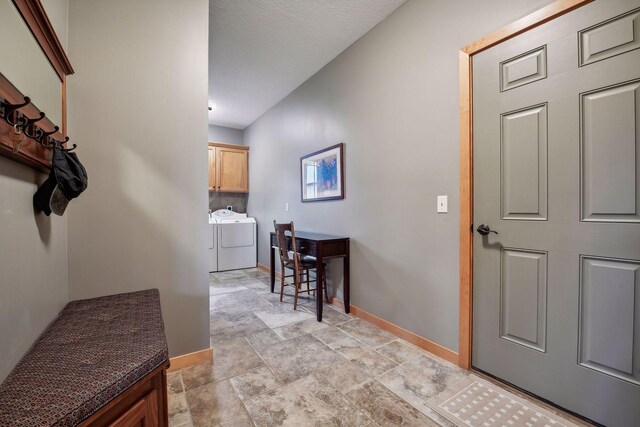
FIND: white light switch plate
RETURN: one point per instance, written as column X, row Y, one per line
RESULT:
column 286, row 207
column 443, row 205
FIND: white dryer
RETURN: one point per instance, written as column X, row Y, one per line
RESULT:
column 236, row 240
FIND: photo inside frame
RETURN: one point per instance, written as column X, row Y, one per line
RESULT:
column 321, row 176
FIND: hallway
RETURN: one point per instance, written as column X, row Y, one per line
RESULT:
column 275, row 366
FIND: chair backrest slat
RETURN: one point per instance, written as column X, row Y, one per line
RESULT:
column 281, row 239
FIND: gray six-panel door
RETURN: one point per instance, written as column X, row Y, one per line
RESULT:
column 556, row 298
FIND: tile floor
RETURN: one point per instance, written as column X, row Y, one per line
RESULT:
column 278, row 367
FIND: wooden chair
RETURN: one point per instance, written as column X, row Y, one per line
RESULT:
column 300, row 265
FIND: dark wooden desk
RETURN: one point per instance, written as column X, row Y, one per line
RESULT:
column 322, row 247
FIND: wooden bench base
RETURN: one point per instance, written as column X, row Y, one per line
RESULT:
column 142, row 404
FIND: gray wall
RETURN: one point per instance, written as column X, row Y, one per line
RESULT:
column 225, row 134
column 392, row 98
column 33, row 264
column 138, row 110
column 33, row 250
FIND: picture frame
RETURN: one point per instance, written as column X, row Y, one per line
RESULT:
column 322, row 174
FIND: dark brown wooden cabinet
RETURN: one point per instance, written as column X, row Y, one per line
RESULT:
column 142, row 414
column 144, row 404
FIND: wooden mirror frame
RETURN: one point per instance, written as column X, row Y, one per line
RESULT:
column 30, row 153
column 34, row 15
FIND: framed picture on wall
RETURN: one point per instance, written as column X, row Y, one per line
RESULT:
column 322, row 174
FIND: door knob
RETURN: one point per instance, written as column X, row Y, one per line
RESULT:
column 484, row 229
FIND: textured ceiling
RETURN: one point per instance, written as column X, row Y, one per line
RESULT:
column 260, row 50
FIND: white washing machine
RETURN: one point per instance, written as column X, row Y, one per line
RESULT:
column 236, row 240
column 212, row 238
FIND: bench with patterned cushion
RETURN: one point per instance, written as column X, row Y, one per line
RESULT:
column 93, row 351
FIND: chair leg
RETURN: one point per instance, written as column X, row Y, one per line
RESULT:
column 307, row 274
column 296, row 279
column 324, row 285
column 282, row 274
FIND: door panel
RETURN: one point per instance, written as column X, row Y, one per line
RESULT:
column 610, row 143
column 523, row 69
column 232, row 167
column 524, row 164
column 143, row 413
column 610, row 317
column 610, row 38
column 212, row 169
column 236, row 235
column 556, row 297
column 523, row 308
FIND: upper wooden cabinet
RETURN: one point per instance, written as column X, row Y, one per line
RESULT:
column 228, row 168
column 212, row 168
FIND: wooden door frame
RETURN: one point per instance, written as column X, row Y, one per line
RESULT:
column 541, row 16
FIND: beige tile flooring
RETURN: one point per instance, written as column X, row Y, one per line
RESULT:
column 274, row 366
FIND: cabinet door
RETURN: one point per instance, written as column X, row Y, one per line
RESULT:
column 232, row 169
column 212, row 168
column 144, row 413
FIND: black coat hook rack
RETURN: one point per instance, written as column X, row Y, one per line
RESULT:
column 22, row 124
